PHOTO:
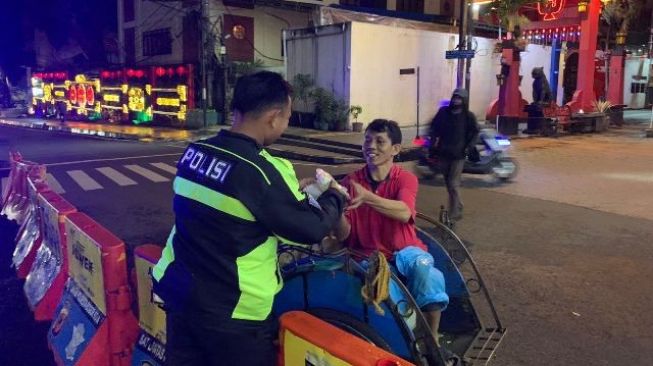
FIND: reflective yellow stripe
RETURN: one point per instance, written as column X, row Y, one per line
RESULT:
column 237, row 156
column 211, row 198
column 167, row 257
column 285, row 168
column 290, row 242
column 257, row 280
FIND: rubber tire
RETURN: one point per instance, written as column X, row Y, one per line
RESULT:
column 514, row 172
column 351, row 325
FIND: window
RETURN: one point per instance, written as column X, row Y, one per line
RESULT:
column 130, row 49
column 412, row 6
column 157, row 42
column 128, row 10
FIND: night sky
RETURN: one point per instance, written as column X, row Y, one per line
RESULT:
column 86, row 21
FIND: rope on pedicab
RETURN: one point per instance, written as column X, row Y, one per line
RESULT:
column 375, row 290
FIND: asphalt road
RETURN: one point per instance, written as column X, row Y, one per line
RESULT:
column 566, row 255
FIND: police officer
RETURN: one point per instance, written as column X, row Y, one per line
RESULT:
column 233, row 203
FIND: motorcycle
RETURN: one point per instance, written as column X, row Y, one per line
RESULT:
column 492, row 157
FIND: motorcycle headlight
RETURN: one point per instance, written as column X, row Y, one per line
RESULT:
column 503, row 142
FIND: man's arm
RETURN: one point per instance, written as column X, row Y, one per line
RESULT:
column 342, row 230
column 394, row 209
column 297, row 221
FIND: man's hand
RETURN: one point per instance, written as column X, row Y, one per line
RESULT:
column 361, row 196
column 338, row 187
column 306, row 182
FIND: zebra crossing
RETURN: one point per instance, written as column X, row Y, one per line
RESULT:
column 122, row 176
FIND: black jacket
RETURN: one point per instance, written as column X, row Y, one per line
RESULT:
column 456, row 133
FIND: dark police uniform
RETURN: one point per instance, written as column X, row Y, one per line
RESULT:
column 218, row 273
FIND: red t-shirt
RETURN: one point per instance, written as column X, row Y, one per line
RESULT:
column 371, row 230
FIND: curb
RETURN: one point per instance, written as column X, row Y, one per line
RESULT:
column 286, row 154
column 73, row 131
column 325, row 160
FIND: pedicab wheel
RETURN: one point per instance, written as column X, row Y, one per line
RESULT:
column 351, row 325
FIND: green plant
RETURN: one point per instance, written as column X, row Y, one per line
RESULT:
column 239, row 68
column 330, row 111
column 602, row 106
column 508, row 12
column 302, row 85
column 355, row 110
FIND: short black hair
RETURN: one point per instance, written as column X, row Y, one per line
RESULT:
column 258, row 92
column 385, row 125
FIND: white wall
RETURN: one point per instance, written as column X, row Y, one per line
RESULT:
column 534, row 56
column 377, row 54
column 635, row 68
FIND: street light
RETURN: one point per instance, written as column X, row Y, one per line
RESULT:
column 582, row 6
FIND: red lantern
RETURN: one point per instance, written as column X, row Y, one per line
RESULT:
column 171, row 72
column 181, row 70
column 160, row 71
column 139, row 73
column 72, row 95
column 81, row 95
column 130, row 73
column 105, row 74
column 90, row 95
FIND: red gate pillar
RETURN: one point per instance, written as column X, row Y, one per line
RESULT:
column 616, row 86
column 509, row 94
column 589, row 29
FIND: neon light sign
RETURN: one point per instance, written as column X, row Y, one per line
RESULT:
column 550, row 9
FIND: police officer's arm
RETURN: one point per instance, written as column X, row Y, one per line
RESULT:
column 296, row 221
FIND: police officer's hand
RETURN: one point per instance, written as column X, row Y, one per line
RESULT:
column 306, row 182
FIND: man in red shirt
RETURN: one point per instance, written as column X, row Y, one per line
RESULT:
column 381, row 216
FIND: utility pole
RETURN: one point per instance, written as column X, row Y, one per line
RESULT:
column 204, row 10
column 469, row 26
column 462, row 28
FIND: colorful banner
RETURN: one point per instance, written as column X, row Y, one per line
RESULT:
column 149, row 351
column 76, row 322
column 298, row 351
column 49, row 260
column 151, row 317
column 85, row 265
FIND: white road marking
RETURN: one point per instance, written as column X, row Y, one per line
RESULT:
column 154, row 177
column 84, row 180
column 54, row 185
column 643, row 177
column 165, row 167
column 111, row 159
column 116, row 176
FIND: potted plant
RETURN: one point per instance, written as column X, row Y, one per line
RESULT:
column 341, row 115
column 603, row 107
column 355, row 110
column 324, row 108
column 331, row 112
column 303, row 85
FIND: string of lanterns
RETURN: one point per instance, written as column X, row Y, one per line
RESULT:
column 546, row 36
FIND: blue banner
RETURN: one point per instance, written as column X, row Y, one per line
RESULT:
column 149, row 351
column 76, row 322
